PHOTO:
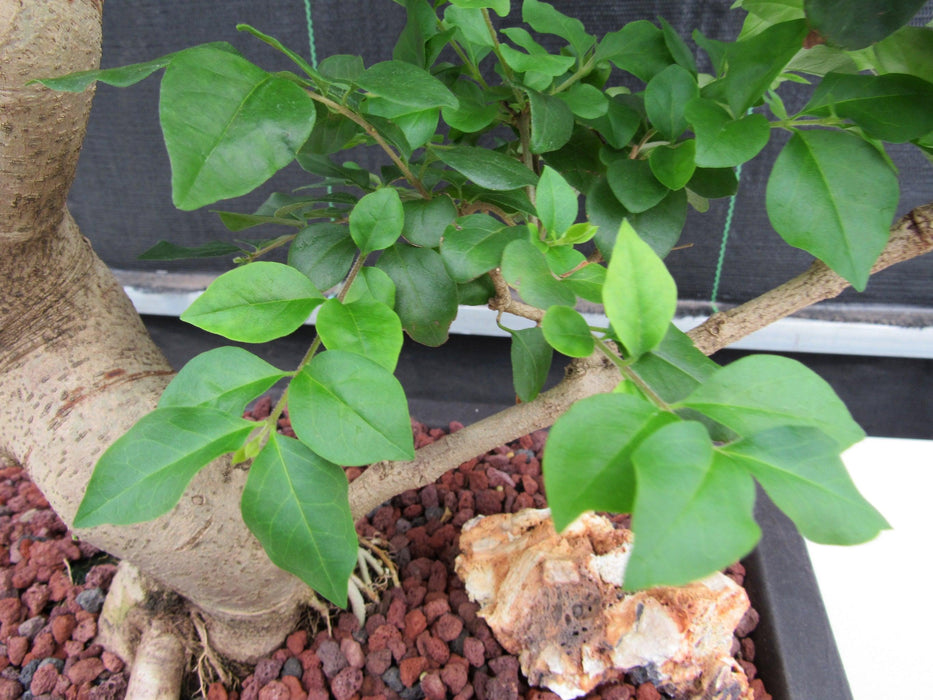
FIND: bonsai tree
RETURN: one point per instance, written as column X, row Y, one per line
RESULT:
column 512, row 176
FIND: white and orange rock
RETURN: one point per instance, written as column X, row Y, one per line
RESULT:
column 557, row 602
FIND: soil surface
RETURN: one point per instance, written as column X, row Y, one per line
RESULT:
column 422, row 640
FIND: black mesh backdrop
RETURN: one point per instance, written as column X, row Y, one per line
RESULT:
column 122, row 201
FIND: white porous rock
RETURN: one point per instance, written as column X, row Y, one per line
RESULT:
column 556, row 601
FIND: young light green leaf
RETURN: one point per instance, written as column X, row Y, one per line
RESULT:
column 674, row 368
column 372, row 284
column 536, row 61
column 473, row 245
column 425, row 295
column 426, row 219
column 225, row 378
column 760, row 392
column 228, row 125
column 567, row 332
column 638, row 48
column 551, row 122
column 640, row 296
column 834, row 195
column 350, row 410
column 531, row 361
column 855, row 24
column 489, row 169
column 556, row 202
column 368, row 328
column 583, row 474
column 693, row 514
column 544, row 19
column 143, row 474
column 255, row 303
column 525, row 268
column 501, row 7
column 295, row 503
column 377, row 219
column 634, row 185
column 164, row 250
column 723, row 142
column 587, row 282
column 673, row 167
column 405, row 84
column 665, row 97
column 800, row 469
column 324, row 252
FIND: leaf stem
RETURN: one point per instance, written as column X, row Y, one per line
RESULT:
column 580, row 73
column 630, row 374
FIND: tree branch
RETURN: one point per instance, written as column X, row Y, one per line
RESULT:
column 504, row 302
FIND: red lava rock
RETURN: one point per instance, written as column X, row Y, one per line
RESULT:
column 295, row 690
column 646, row 691
column 748, row 649
column 750, row 669
column 378, row 662
column 455, row 675
column 297, row 641
column 538, row 694
column 497, row 477
column 43, row 646
column 434, row 649
column 758, row 688
column 313, row 679
column 10, row 689
column 435, row 609
column 85, row 671
column 85, row 630
column 267, row 670
column 619, row 692
column 275, row 690
column 395, row 615
column 318, row 694
column 35, row 598
column 474, row 651
column 411, row 669
column 748, row 623
column 505, row 666
column 382, row 635
column 345, row 684
column 112, row 662
column 44, row 680
column 16, row 648
column 216, row 691
column 309, row 659
column 11, row 611
column 489, row 502
column 415, row 624
column 59, row 585
column 332, row 659
column 433, row 687
column 448, row 627
column 353, row 652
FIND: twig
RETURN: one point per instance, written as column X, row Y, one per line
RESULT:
column 504, row 302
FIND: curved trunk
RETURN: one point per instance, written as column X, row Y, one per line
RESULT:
column 77, row 367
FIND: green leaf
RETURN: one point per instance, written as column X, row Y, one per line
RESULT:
column 405, row 84
column 531, row 361
column 639, row 296
column 556, row 202
column 854, row 24
column 368, row 328
column 634, row 185
column 723, row 142
column 678, row 47
column 537, row 61
column 909, row 50
column 665, row 97
column 295, row 503
column 350, row 410
column 581, row 473
column 342, row 68
column 894, row 108
column 638, row 48
column 144, row 473
column 228, row 125
column 163, row 250
column 834, row 195
column 377, row 219
column 255, row 303
column 673, row 167
column 567, row 332
column 372, row 284
column 675, row 368
column 501, row 7
column 801, row 471
column 714, row 182
column 659, row 226
column 426, row 220
column 324, row 252
column 296, row 58
column 473, row 245
column 619, row 125
column 237, row 221
column 489, row 169
column 551, row 122
column 476, row 292
column 585, row 101
column 587, row 282
column 760, row 392
column 693, row 513
column 473, row 114
column 525, row 268
column 426, row 296
column 544, row 19
column 225, row 378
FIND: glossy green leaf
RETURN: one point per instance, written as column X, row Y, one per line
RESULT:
column 536, row 61
column 473, row 113
column 525, row 268
column 368, row 328
column 673, row 167
column 834, row 195
column 405, row 84
column 640, row 296
column 567, row 332
column 693, row 514
column 372, row 284
column 296, row 58
column 426, row 220
column 255, row 303
column 638, row 48
column 295, row 503
column 551, row 122
column 425, row 295
column 854, row 24
column 501, row 7
column 489, row 169
column 350, row 410
column 619, row 124
column 544, row 19
column 143, row 474
column 556, row 202
column 675, row 368
column 660, row 226
column 581, row 473
column 531, row 361
column 585, row 101
column 377, row 219
column 324, row 252
column 587, row 282
column 665, row 97
column 634, row 185
column 473, row 245
column 681, row 53
column 164, row 250
column 562, row 259
column 894, row 108
column 225, row 378
column 721, row 141
column 909, row 50
column 228, row 125
column 760, row 392
column 800, row 469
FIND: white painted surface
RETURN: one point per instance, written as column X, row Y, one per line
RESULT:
column 877, row 594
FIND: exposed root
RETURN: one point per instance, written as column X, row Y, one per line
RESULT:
column 159, row 667
column 209, row 666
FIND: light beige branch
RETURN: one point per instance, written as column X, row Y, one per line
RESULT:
column 504, row 302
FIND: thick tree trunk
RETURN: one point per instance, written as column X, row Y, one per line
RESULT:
column 77, row 367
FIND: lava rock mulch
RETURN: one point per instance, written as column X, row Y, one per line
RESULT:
column 424, row 640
